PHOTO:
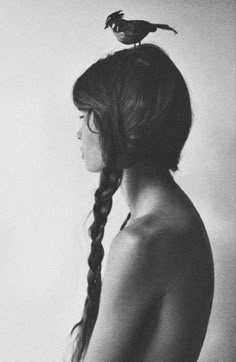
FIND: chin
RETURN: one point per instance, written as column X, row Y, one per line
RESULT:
column 94, row 168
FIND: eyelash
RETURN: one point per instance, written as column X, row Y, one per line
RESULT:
column 81, row 120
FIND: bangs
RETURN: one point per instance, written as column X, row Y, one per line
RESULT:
column 81, row 99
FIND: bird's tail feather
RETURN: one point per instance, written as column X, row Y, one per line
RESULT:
column 163, row 27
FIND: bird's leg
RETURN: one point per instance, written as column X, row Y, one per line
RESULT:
column 139, row 43
column 134, row 45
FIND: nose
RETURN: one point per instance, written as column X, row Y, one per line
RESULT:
column 79, row 134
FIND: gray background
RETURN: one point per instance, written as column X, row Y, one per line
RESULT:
column 44, row 188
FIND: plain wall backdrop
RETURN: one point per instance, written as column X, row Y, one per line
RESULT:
column 45, row 190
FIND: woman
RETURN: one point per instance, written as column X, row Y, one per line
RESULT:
column 157, row 291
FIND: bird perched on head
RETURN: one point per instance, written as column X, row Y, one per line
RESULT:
column 132, row 31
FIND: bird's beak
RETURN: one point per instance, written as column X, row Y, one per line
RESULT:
column 106, row 26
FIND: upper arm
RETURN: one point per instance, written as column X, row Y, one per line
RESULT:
column 126, row 295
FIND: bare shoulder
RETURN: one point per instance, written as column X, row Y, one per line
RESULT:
column 128, row 282
column 172, row 250
column 159, row 268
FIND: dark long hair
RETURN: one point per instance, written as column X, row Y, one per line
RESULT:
column 142, row 111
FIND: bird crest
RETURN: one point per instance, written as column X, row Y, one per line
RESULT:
column 113, row 17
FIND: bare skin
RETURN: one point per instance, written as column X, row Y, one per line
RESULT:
column 159, row 280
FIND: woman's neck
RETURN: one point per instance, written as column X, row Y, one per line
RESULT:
column 146, row 190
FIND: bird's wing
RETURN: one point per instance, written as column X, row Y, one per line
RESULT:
column 141, row 25
column 133, row 26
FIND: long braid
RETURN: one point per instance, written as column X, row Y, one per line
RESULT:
column 109, row 182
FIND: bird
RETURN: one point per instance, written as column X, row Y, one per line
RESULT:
column 132, row 31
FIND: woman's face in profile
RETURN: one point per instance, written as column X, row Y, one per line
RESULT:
column 90, row 144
